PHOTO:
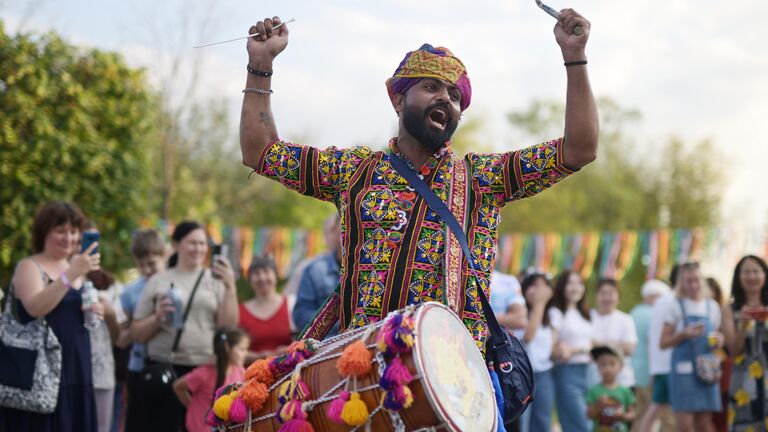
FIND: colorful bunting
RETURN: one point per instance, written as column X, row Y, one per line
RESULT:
column 608, row 254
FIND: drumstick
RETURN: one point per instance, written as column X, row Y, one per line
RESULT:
column 555, row 14
column 244, row 37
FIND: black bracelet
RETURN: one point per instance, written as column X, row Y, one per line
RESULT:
column 258, row 72
column 575, row 63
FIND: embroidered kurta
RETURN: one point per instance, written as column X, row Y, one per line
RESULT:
column 393, row 244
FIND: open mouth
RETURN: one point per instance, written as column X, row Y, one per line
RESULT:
column 438, row 118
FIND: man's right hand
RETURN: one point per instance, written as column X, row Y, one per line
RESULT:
column 270, row 42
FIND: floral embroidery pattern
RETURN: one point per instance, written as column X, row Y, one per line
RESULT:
column 393, row 244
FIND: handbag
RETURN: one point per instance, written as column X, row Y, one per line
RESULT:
column 707, row 366
column 30, row 362
column 504, row 353
column 159, row 374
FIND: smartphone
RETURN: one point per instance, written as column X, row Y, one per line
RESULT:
column 218, row 251
column 89, row 238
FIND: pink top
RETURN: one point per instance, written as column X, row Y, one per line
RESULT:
column 200, row 383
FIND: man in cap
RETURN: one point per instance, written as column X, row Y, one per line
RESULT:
column 642, row 315
column 395, row 249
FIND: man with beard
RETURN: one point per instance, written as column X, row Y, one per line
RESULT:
column 395, row 249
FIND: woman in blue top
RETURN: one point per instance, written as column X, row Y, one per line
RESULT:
column 689, row 324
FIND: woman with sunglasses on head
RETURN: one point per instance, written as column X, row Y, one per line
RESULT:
column 691, row 329
column 747, row 340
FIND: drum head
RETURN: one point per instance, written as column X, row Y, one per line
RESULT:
column 454, row 373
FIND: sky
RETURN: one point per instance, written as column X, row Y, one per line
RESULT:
column 693, row 69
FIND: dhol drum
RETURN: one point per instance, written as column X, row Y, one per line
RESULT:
column 447, row 380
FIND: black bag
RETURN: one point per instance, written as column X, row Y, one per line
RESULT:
column 503, row 351
column 508, row 358
column 159, row 374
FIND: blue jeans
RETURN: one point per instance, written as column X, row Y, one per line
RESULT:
column 570, row 396
column 538, row 416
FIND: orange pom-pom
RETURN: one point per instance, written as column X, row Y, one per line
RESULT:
column 259, row 371
column 355, row 360
column 254, row 393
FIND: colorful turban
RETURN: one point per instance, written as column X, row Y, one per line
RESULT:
column 431, row 62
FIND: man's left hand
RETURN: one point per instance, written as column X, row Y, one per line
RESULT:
column 570, row 43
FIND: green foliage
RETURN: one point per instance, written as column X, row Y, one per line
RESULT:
column 74, row 126
column 628, row 187
column 198, row 163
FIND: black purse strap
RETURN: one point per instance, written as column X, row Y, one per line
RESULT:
column 186, row 312
column 401, row 166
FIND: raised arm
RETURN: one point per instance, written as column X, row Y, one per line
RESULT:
column 581, row 121
column 257, row 125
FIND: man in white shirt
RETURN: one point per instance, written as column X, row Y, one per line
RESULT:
column 507, row 301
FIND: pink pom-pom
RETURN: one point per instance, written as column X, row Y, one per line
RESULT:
column 297, row 425
column 289, row 411
column 299, row 421
column 396, row 375
column 337, row 406
column 211, row 419
column 238, row 411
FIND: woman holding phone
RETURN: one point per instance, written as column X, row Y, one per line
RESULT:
column 175, row 346
column 47, row 285
column 690, row 323
column 747, row 340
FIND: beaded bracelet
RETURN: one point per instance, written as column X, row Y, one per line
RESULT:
column 258, row 72
column 258, row 90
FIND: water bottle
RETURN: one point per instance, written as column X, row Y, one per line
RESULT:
column 90, row 298
column 175, row 318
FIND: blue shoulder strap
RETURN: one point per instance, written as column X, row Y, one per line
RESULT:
column 434, row 202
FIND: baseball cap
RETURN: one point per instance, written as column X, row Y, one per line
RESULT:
column 654, row 287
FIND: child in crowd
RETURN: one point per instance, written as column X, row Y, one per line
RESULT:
column 149, row 254
column 196, row 389
column 611, row 406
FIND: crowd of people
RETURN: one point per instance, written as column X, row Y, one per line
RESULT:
column 684, row 359
column 163, row 342
column 167, row 340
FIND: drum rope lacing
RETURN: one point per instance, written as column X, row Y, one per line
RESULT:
column 329, row 395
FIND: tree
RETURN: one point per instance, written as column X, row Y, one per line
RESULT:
column 626, row 187
column 74, row 126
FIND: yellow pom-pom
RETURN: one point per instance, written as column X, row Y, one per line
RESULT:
column 408, row 397
column 355, row 413
column 221, row 407
column 355, row 360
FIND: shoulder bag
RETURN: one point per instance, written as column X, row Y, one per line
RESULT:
column 30, row 362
